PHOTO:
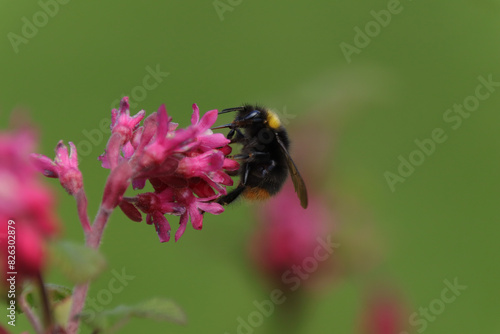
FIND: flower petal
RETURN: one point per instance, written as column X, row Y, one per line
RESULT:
column 214, row 140
column 62, row 156
column 130, row 211
column 45, row 165
column 213, row 208
column 201, row 164
column 230, row 164
column 163, row 121
column 195, row 117
column 182, row 226
column 207, row 120
column 196, row 217
column 162, row 226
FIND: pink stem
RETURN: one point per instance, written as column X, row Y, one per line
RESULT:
column 100, row 221
column 81, row 204
column 79, row 296
column 81, row 290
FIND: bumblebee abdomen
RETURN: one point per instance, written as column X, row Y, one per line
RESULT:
column 256, row 193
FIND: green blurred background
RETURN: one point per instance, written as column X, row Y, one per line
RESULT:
column 439, row 224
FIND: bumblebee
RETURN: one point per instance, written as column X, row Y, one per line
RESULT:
column 265, row 161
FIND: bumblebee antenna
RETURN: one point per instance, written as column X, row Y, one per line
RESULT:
column 230, row 110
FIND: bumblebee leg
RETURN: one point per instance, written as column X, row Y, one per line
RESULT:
column 232, row 172
column 235, row 139
column 230, row 134
column 235, row 193
column 245, row 176
column 240, row 157
column 260, row 154
column 232, row 195
column 249, row 156
column 269, row 168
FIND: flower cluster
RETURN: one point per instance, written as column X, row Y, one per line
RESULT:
column 186, row 167
column 26, row 202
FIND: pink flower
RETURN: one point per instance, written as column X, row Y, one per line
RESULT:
column 26, row 205
column 186, row 168
column 289, row 238
column 122, row 123
column 64, row 167
column 384, row 313
column 195, row 207
column 123, row 128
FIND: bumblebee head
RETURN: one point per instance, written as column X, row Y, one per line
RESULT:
column 249, row 115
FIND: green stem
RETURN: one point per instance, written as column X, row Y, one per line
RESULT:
column 46, row 309
column 32, row 318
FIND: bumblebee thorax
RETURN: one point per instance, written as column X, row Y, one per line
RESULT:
column 272, row 120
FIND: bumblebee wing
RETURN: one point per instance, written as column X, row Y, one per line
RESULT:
column 298, row 182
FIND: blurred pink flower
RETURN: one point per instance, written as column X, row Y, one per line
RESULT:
column 3, row 330
column 186, row 167
column 292, row 241
column 384, row 313
column 26, row 202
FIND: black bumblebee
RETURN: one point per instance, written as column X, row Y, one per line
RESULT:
column 265, row 161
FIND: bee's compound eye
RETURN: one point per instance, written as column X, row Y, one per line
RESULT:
column 250, row 116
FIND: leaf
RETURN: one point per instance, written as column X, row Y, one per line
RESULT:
column 77, row 262
column 62, row 310
column 159, row 309
column 57, row 293
column 60, row 299
column 29, row 294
